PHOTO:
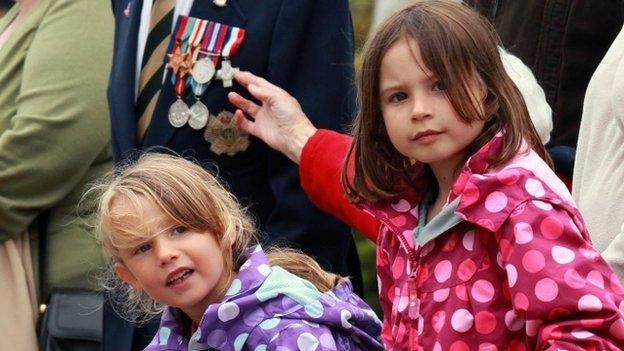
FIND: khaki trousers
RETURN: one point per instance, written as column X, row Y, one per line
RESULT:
column 18, row 301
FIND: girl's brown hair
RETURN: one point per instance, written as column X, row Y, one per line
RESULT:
column 460, row 48
column 192, row 197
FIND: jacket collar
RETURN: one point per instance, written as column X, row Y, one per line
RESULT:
column 476, row 193
column 251, row 275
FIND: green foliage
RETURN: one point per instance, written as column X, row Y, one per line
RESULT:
column 361, row 12
column 366, row 251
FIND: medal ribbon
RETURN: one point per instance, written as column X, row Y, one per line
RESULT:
column 179, row 33
column 234, row 39
column 196, row 36
column 182, row 35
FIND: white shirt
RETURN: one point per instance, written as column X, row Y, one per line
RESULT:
column 182, row 8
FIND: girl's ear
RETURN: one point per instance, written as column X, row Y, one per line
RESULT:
column 124, row 274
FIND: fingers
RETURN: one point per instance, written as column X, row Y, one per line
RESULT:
column 247, row 78
column 244, row 104
column 246, row 124
column 261, row 93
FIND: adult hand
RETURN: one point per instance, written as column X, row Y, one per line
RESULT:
column 278, row 120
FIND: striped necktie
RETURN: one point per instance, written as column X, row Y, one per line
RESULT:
column 152, row 66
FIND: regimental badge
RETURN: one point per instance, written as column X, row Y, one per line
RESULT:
column 225, row 135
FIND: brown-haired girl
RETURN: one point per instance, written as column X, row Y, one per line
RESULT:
column 179, row 239
column 480, row 246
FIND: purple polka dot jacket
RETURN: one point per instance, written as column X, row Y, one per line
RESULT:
column 507, row 265
column 268, row 308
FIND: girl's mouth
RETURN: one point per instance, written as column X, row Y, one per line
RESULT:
column 426, row 136
column 178, row 276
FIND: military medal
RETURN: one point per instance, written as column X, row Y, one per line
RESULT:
column 234, row 39
column 225, row 135
column 180, row 62
column 203, row 71
column 205, row 67
column 179, row 113
column 198, row 115
column 226, row 73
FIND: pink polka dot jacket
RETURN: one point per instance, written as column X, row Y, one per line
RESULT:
column 507, row 265
column 268, row 308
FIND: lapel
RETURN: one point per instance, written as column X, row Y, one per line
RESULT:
column 160, row 131
column 122, row 82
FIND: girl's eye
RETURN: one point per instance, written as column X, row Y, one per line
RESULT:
column 142, row 248
column 179, row 230
column 398, row 97
column 438, row 86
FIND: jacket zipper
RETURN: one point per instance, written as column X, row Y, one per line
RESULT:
column 414, row 306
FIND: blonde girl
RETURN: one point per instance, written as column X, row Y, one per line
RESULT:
column 479, row 245
column 178, row 239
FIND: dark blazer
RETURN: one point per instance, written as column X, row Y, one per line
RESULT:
column 305, row 47
column 563, row 41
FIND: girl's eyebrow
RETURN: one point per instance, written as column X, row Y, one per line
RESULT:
column 427, row 79
column 388, row 88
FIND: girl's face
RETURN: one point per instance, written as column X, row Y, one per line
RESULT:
column 421, row 122
column 177, row 267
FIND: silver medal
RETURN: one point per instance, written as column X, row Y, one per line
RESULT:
column 203, row 71
column 179, row 113
column 226, row 73
column 199, row 116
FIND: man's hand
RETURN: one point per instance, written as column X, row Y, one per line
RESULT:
column 278, row 120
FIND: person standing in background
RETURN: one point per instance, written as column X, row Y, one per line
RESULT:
column 599, row 168
column 563, row 42
column 54, row 139
column 171, row 73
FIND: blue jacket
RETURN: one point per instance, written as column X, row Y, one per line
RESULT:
column 268, row 308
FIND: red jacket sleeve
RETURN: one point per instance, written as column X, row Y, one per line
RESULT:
column 319, row 171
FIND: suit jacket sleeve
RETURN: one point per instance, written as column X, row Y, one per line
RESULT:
column 61, row 122
column 312, row 58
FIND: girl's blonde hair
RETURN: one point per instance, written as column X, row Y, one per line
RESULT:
column 192, row 197
column 460, row 48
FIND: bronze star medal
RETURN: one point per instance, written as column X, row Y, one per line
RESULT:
column 225, row 135
column 179, row 62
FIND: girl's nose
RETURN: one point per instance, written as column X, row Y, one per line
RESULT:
column 167, row 253
column 421, row 109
